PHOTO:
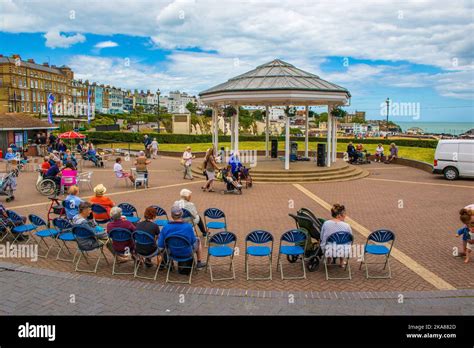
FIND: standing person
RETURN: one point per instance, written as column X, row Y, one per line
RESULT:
column 154, row 148
column 379, row 153
column 210, row 167
column 187, row 161
column 147, row 144
column 393, row 153
column 38, row 144
column 62, row 147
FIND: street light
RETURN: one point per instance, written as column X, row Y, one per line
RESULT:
column 388, row 104
column 158, row 116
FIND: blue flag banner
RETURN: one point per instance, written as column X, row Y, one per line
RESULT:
column 89, row 96
column 50, row 108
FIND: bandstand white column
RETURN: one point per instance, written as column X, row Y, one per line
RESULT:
column 329, row 138
column 213, row 122
column 306, row 132
column 232, row 133
column 287, row 143
column 216, row 128
column 334, row 139
column 267, row 129
column 236, row 125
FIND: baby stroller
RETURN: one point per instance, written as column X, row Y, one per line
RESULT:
column 306, row 221
column 8, row 184
column 230, row 187
column 244, row 174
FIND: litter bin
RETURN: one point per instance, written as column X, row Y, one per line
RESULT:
column 274, row 153
column 293, row 151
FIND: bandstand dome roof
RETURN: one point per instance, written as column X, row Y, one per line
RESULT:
column 276, row 82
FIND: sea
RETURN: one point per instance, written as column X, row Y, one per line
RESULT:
column 454, row 128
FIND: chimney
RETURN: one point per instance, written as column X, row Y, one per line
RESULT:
column 31, row 61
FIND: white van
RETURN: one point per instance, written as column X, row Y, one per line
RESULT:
column 454, row 158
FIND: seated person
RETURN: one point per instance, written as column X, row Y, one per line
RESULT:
column 5, row 222
column 393, row 153
column 379, row 153
column 351, row 151
column 10, row 155
column 100, row 199
column 72, row 208
column 230, row 180
column 45, row 165
column 69, row 157
column 185, row 203
column 54, row 157
column 150, row 227
column 93, row 157
column 141, row 163
column 235, row 163
column 69, row 170
column 80, row 147
column 62, row 147
column 54, row 173
column 119, row 172
column 178, row 227
column 119, row 221
column 83, row 219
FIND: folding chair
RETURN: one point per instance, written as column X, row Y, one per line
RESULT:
column 179, row 249
column 98, row 209
column 188, row 217
column 19, row 228
column 141, row 177
column 260, row 238
column 120, row 235
column 214, row 214
column 130, row 212
column 85, row 178
column 6, row 229
column 377, row 247
column 64, row 235
column 88, row 242
column 338, row 243
column 145, row 239
column 118, row 179
column 44, row 233
column 219, row 247
column 292, row 237
column 159, row 213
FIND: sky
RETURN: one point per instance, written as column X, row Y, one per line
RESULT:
column 418, row 53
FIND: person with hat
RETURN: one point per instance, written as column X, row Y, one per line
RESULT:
column 178, row 227
column 100, row 199
column 185, row 203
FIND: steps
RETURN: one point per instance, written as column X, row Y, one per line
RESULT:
column 344, row 173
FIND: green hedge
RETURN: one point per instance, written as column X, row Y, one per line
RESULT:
column 165, row 138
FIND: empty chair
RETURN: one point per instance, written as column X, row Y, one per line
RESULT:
column 262, row 246
column 179, row 249
column 120, row 235
column 98, row 209
column 338, row 245
column 218, row 218
column 160, row 212
column 145, row 241
column 44, row 233
column 130, row 212
column 376, row 245
column 64, row 228
column 87, row 242
column 219, row 248
column 85, row 179
column 19, row 228
column 140, row 178
column 290, row 245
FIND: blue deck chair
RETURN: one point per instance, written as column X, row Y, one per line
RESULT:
column 290, row 245
column 145, row 239
column 5, row 230
column 87, row 242
column 179, row 249
column 338, row 243
column 160, row 212
column 120, row 235
column 375, row 246
column 219, row 247
column 264, row 248
column 130, row 212
column 19, row 228
column 44, row 233
column 214, row 214
column 98, row 209
column 188, row 217
column 64, row 228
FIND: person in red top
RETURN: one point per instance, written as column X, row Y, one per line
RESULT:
column 100, row 199
column 45, row 165
column 119, row 221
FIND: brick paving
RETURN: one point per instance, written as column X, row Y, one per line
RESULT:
column 425, row 226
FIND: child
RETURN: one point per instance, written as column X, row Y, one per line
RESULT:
column 465, row 216
column 230, row 179
column 470, row 242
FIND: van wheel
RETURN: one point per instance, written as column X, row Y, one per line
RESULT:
column 450, row 173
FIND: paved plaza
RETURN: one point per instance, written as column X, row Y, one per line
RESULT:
column 420, row 208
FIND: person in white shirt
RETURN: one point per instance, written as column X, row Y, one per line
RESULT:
column 154, row 148
column 187, row 161
column 185, row 203
column 119, row 172
column 379, row 153
column 336, row 224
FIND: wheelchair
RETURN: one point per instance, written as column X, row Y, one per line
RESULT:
column 45, row 186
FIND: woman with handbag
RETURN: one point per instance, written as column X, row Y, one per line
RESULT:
column 186, row 161
column 210, row 167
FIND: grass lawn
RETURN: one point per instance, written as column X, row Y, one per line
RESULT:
column 416, row 153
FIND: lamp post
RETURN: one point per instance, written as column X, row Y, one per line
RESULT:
column 388, row 105
column 158, row 115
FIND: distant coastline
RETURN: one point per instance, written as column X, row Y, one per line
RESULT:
column 454, row 128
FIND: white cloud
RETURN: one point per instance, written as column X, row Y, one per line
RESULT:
column 106, row 44
column 55, row 39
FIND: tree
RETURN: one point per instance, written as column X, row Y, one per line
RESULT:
column 258, row 115
column 208, row 113
column 192, row 108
